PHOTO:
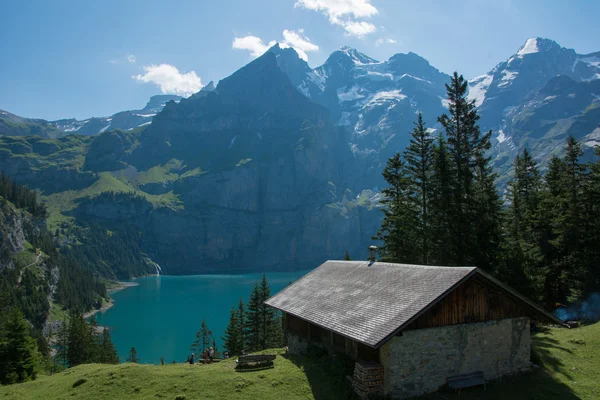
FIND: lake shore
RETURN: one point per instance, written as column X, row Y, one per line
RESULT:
column 118, row 286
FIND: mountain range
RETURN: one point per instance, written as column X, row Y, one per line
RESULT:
column 279, row 165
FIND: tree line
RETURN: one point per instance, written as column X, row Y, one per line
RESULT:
column 442, row 206
column 255, row 326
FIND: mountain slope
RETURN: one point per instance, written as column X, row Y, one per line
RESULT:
column 536, row 99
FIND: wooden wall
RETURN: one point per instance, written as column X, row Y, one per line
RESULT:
column 330, row 339
column 473, row 301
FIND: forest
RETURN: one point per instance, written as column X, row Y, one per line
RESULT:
column 442, row 207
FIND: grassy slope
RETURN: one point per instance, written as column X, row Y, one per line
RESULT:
column 570, row 359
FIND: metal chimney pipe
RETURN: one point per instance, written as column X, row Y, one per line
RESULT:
column 372, row 251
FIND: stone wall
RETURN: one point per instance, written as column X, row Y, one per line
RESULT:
column 419, row 361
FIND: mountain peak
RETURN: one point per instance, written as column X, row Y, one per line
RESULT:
column 537, row 45
column 354, row 55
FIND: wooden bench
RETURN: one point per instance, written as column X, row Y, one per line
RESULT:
column 255, row 359
column 466, row 380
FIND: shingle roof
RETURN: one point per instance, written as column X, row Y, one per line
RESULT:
column 366, row 302
column 369, row 302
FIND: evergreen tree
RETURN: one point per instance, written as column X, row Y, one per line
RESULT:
column 231, row 337
column 396, row 232
column 20, row 360
column 242, row 320
column 107, row 350
column 203, row 339
column 78, row 348
column 62, row 344
column 133, row 356
column 252, row 325
column 419, row 156
column 472, row 177
column 347, row 256
column 441, row 205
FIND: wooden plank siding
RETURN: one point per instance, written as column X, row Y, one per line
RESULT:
column 337, row 342
column 473, row 301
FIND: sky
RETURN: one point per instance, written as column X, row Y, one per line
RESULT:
column 78, row 59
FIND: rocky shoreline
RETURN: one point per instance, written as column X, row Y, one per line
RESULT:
column 110, row 302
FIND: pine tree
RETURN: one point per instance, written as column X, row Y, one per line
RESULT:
column 242, row 320
column 62, row 344
column 133, row 356
column 231, row 337
column 203, row 339
column 107, row 350
column 473, row 185
column 419, row 156
column 253, row 320
column 396, row 230
column 347, row 256
column 271, row 331
column 19, row 353
column 441, row 205
column 78, row 348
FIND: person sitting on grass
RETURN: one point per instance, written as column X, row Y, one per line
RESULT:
column 192, row 359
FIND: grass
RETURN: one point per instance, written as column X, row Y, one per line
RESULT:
column 57, row 312
column 569, row 359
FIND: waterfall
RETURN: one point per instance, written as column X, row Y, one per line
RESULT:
column 158, row 269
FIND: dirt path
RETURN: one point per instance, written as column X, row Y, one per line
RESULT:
column 37, row 260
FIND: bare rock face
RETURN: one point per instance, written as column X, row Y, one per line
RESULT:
column 11, row 230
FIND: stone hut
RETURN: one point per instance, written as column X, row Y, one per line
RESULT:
column 417, row 325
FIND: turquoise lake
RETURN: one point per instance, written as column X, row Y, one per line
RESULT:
column 161, row 315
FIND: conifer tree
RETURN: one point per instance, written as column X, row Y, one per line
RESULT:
column 203, row 339
column 253, row 327
column 441, row 205
column 20, row 360
column 473, row 179
column 78, row 349
column 133, row 356
column 107, row 350
column 419, row 156
column 231, row 338
column 347, row 256
column 396, row 232
column 62, row 344
column 242, row 331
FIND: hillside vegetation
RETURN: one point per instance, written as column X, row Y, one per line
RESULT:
column 570, row 362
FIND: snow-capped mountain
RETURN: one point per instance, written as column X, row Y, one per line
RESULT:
column 533, row 99
column 375, row 101
column 124, row 120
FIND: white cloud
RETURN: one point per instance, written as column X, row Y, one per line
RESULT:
column 358, row 28
column 131, row 59
column 253, row 44
column 170, row 80
column 344, row 13
column 381, row 41
column 294, row 39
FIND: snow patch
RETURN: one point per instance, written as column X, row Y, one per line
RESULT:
column 507, row 78
column 501, row 136
column 478, row 88
column 145, row 123
column 412, row 77
column 592, row 143
column 530, row 47
column 379, row 76
column 146, row 115
column 383, row 97
column 349, row 95
column 549, row 98
column 104, row 129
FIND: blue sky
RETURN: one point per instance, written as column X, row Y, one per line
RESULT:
column 93, row 58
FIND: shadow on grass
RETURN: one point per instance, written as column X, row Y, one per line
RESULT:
column 259, row 366
column 544, row 349
column 536, row 385
column 326, row 374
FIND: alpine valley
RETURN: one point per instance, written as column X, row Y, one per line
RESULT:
column 278, row 166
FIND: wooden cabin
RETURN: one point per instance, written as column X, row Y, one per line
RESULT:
column 418, row 325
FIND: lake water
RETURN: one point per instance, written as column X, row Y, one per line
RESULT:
column 161, row 316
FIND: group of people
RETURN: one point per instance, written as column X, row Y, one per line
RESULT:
column 208, row 356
